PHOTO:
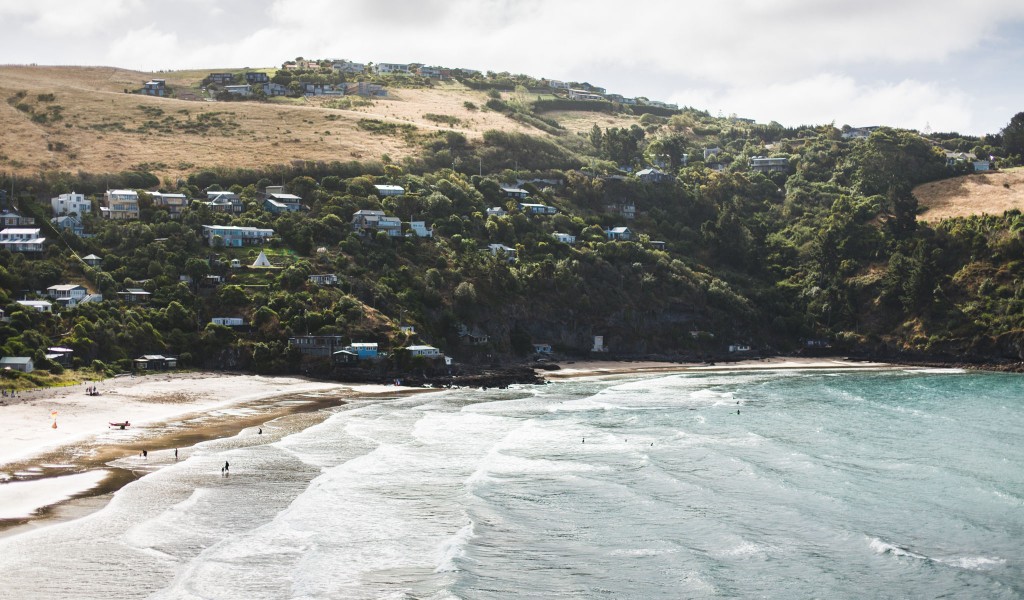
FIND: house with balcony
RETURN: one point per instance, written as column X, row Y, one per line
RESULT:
column 233, row 236
column 348, row 67
column 244, row 90
column 256, row 77
column 280, row 202
column 68, row 224
column 67, row 294
column 134, row 296
column 537, row 209
column 174, row 204
column 496, row 211
column 120, row 205
column 764, row 164
column 652, row 176
column 393, row 68
column 71, row 204
column 323, row 346
column 155, row 362
column 514, row 192
column 228, row 202
column 25, row 240
column 364, row 221
column 364, row 350
column 92, row 260
column 501, row 250
column 565, row 238
column 221, row 78
column 228, row 321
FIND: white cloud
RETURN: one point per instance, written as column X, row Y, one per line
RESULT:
column 58, row 18
column 826, row 98
column 147, row 47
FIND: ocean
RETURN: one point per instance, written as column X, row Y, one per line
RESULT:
column 761, row 484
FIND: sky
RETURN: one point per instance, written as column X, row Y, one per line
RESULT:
column 930, row 65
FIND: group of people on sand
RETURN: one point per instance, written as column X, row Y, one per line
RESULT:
column 6, row 394
column 92, row 391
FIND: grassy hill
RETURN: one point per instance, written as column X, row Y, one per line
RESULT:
column 981, row 193
column 80, row 119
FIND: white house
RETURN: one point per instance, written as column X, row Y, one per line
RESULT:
column 392, row 68
column 37, row 305
column 428, row 351
column 174, row 203
column 565, row 238
column 325, row 279
column 390, row 190
column 244, row 90
column 228, row 321
column 233, row 236
column 764, row 164
column 419, row 229
column 514, row 192
column 92, row 260
column 72, row 203
column 496, row 211
column 223, row 201
column 18, row 239
column 68, row 294
column 501, row 249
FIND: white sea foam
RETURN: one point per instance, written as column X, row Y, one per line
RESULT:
column 453, row 549
column 883, row 547
column 974, row 563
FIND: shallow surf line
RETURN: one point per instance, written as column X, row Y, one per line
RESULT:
column 22, row 499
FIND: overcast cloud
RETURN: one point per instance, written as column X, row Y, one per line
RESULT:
column 943, row 64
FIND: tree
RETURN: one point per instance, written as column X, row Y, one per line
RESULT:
column 1013, row 135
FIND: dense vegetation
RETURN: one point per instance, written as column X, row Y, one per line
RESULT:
column 827, row 250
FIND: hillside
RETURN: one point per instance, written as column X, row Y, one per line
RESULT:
column 99, row 128
column 502, row 219
column 976, row 194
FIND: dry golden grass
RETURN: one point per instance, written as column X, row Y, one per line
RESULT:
column 981, row 193
column 103, row 128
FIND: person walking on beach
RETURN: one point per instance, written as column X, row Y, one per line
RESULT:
column 226, row 466
column 175, row 454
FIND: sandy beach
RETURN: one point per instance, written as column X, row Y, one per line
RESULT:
column 42, row 466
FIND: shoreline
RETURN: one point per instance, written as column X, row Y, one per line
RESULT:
column 166, row 412
column 181, row 410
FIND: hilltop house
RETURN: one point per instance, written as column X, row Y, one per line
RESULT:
column 395, row 68
column 221, row 78
column 21, row 240
column 347, row 66
column 233, row 236
column 154, row 87
column 120, row 205
column 365, row 221
column 254, row 77
column 67, row 204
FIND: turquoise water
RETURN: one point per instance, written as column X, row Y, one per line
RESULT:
column 880, row 484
